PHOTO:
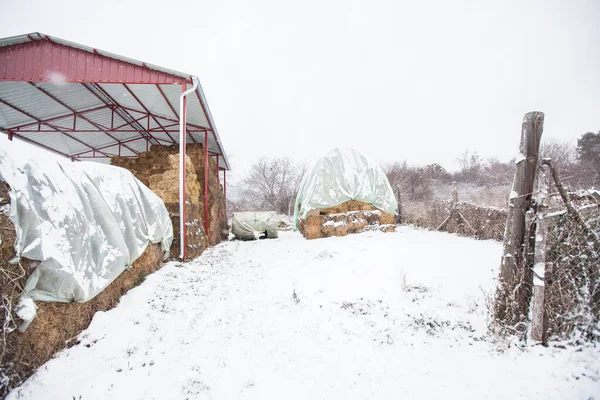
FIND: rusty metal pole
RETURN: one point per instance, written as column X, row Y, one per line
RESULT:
column 206, row 184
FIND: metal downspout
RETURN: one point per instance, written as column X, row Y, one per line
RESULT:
column 182, row 169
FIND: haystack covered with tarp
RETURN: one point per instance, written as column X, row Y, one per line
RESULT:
column 343, row 193
column 255, row 225
column 84, row 222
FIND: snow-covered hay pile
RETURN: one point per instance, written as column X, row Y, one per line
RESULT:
column 343, row 193
column 159, row 170
column 78, row 234
column 349, row 217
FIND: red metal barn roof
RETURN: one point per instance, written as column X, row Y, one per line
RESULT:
column 85, row 103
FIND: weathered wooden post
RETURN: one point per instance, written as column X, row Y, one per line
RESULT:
column 511, row 301
column 399, row 216
column 539, row 259
column 454, row 194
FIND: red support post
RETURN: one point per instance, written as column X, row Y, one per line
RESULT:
column 206, row 225
column 225, row 189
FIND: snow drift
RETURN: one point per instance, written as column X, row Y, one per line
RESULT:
column 85, row 223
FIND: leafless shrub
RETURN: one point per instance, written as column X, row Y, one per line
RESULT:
column 573, row 288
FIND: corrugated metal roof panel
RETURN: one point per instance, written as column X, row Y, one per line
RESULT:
column 74, row 95
column 112, row 110
column 57, row 141
column 24, row 97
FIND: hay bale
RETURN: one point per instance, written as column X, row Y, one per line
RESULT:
column 57, row 324
column 346, row 218
column 387, row 228
column 159, row 170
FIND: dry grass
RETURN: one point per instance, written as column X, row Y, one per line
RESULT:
column 58, row 324
column 349, row 217
column 486, row 222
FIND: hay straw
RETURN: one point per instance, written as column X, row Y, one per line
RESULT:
column 57, row 325
column 159, row 170
column 346, row 218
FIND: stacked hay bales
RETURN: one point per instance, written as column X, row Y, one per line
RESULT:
column 349, row 217
column 56, row 325
column 159, row 170
column 343, row 192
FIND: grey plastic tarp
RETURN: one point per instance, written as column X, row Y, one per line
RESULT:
column 341, row 175
column 85, row 222
column 250, row 225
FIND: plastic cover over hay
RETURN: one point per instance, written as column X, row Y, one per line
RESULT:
column 86, row 222
column 342, row 175
column 250, row 225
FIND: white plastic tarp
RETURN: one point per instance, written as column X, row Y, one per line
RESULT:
column 344, row 174
column 250, row 225
column 86, row 222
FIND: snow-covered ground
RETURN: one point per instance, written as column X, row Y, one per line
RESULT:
column 396, row 315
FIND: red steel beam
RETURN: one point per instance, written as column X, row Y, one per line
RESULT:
column 43, row 146
column 225, row 189
column 118, row 128
column 148, row 112
column 162, row 117
column 60, row 117
column 206, row 224
column 126, row 116
column 56, row 129
column 101, row 128
column 167, row 101
column 110, row 145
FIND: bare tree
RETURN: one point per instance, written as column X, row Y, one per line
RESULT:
column 272, row 184
column 497, row 173
column 414, row 182
column 562, row 154
column 471, row 166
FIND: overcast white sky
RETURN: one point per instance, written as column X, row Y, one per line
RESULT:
column 419, row 81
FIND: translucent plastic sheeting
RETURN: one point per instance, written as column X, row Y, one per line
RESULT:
column 252, row 225
column 85, row 222
column 344, row 174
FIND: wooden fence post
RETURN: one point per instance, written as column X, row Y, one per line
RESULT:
column 399, row 217
column 454, row 194
column 511, row 305
column 539, row 260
